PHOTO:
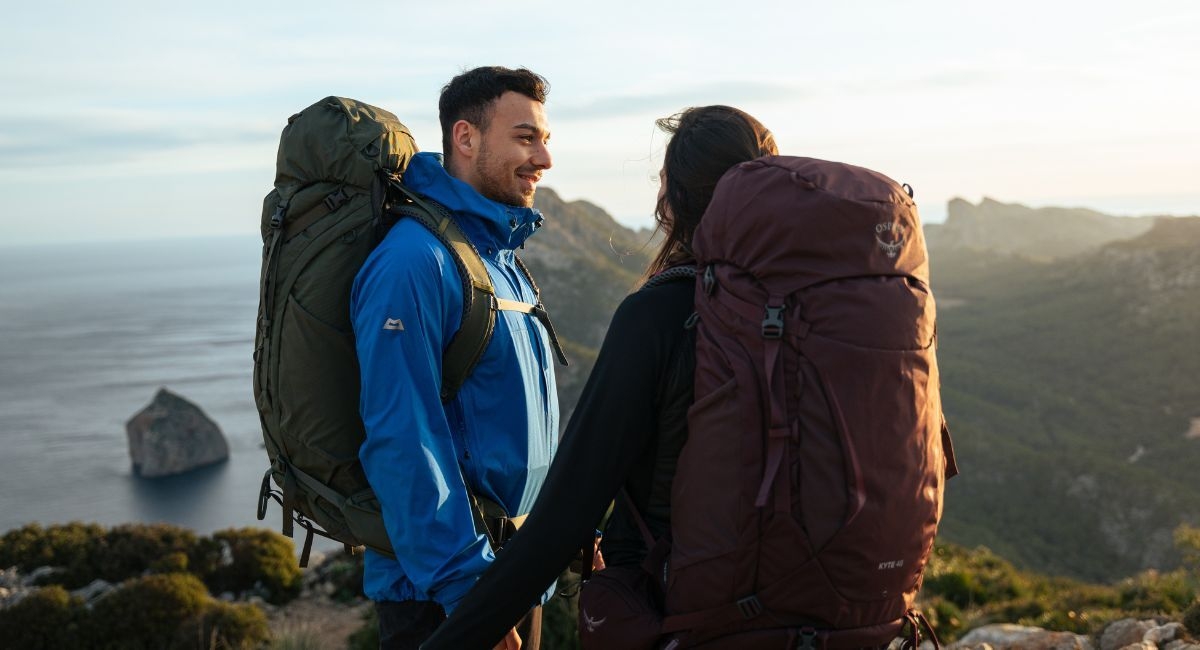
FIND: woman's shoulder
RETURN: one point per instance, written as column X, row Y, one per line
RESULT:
column 658, row 303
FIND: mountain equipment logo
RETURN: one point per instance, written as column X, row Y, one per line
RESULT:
column 891, row 237
column 592, row 623
column 393, row 324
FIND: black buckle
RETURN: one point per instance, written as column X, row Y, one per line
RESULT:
column 336, row 198
column 277, row 218
column 750, row 606
column 772, row 325
column 807, row 640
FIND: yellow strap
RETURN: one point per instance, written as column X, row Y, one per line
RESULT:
column 513, row 305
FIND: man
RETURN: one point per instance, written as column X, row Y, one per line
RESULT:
column 495, row 437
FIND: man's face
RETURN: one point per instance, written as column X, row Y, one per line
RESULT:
column 512, row 151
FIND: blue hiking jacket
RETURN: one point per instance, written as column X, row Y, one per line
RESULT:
column 498, row 434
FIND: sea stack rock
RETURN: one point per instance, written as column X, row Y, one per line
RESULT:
column 171, row 436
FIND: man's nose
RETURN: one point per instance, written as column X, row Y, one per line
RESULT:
column 542, row 158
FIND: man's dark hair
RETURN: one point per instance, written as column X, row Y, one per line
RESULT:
column 469, row 96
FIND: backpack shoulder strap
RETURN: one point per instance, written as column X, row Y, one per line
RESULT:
column 682, row 272
column 479, row 296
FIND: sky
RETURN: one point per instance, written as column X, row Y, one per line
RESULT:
column 143, row 120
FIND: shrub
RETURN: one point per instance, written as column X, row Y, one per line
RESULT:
column 1191, row 618
column 345, row 573
column 225, row 626
column 973, row 578
column 254, row 558
column 1152, row 592
column 301, row 638
column 69, row 547
column 130, row 549
column 47, row 618
column 170, row 563
column 147, row 612
column 1187, row 541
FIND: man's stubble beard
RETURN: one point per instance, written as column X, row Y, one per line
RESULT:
column 497, row 184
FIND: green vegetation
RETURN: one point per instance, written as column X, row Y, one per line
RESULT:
column 163, row 599
column 171, row 611
column 965, row 589
column 235, row 561
column 1068, row 385
column 47, row 618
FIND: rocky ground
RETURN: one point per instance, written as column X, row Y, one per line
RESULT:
column 316, row 620
column 1125, row 634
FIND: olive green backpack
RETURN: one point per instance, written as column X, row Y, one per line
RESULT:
column 337, row 190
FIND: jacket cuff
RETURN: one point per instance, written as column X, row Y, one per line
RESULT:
column 452, row 593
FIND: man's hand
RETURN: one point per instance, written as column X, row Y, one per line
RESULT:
column 597, row 557
column 511, row 641
column 576, row 565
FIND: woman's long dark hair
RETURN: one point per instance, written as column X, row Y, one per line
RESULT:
column 706, row 141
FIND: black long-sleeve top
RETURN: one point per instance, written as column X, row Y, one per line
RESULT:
column 626, row 430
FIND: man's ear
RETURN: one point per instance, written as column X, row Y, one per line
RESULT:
column 464, row 137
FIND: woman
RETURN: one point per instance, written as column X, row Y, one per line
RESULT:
column 631, row 419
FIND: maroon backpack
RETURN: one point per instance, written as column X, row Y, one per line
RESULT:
column 809, row 491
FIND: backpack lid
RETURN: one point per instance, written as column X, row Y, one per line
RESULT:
column 342, row 141
column 793, row 222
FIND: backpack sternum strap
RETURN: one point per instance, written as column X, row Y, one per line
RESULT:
column 541, row 314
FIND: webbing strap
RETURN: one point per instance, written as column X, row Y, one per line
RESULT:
column 513, row 305
column 637, row 517
column 331, row 202
column 542, row 315
column 289, row 500
column 266, row 297
column 779, row 430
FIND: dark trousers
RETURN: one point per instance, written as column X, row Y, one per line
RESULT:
column 406, row 625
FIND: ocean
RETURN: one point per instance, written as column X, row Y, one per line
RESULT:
column 88, row 334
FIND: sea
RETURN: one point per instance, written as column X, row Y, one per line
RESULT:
column 88, row 335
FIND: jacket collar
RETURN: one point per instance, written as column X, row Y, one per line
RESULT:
column 483, row 220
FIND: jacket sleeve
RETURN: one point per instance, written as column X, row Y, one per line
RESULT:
column 406, row 303
column 607, row 433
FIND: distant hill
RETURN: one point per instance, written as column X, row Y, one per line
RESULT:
column 1069, row 344
column 1038, row 233
column 1070, row 385
column 585, row 263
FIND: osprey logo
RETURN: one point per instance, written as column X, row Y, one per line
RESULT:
column 890, row 237
column 592, row 623
column 393, row 324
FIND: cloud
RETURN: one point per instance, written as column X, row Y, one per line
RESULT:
column 663, row 103
column 96, row 139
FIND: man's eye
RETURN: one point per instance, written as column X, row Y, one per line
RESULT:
column 527, row 139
